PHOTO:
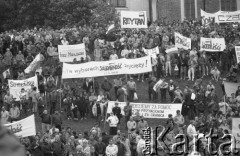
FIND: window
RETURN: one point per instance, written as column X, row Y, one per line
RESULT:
column 118, row 3
column 189, row 9
column 228, row 5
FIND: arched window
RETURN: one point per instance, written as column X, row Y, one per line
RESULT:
column 228, row 5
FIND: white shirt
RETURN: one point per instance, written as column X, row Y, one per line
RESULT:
column 140, row 145
column 191, row 130
column 113, row 121
column 4, row 117
column 112, row 150
column 223, row 106
column 113, row 57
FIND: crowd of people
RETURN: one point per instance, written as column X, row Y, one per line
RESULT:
column 56, row 99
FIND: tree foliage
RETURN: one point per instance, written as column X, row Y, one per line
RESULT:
column 16, row 14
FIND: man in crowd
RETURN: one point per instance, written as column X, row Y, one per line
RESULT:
column 14, row 113
column 132, row 88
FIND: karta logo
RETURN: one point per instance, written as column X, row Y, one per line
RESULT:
column 163, row 140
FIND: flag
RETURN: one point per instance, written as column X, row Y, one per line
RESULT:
column 110, row 28
column 5, row 73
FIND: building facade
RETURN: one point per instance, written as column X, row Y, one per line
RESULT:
column 175, row 9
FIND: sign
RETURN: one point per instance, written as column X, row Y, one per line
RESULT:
column 5, row 73
column 67, row 53
column 207, row 18
column 237, row 50
column 156, row 87
column 105, row 68
column 227, row 17
column 152, row 52
column 148, row 110
column 172, row 50
column 15, row 86
column 34, row 64
column 236, row 131
column 230, row 88
column 182, row 41
column 134, row 19
column 23, row 128
column 212, row 44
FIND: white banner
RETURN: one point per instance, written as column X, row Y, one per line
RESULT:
column 207, row 18
column 237, row 49
column 23, row 128
column 227, row 17
column 33, row 65
column 148, row 110
column 105, row 68
column 212, row 44
column 230, row 87
column 15, row 86
column 236, row 131
column 134, row 19
column 152, row 52
column 172, row 50
column 182, row 41
column 156, row 87
column 69, row 52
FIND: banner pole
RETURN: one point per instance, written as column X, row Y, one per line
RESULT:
column 61, row 94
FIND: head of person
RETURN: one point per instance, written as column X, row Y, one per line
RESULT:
column 116, row 104
column 178, row 112
column 171, row 81
column 110, row 141
column 131, row 79
column 105, row 79
column 169, row 116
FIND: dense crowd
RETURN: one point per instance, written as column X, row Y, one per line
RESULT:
column 82, row 99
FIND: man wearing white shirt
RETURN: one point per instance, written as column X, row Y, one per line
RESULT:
column 113, row 122
column 111, row 149
column 191, row 130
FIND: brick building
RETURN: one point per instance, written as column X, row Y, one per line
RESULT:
column 175, row 9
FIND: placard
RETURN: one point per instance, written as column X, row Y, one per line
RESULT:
column 152, row 52
column 34, row 64
column 15, row 86
column 236, row 131
column 182, row 41
column 134, row 19
column 227, row 17
column 207, row 18
column 212, row 44
column 105, row 68
column 237, row 50
column 148, row 110
column 23, row 128
column 67, row 53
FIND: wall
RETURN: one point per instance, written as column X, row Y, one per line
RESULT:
column 170, row 9
column 154, row 10
column 238, row 4
column 138, row 5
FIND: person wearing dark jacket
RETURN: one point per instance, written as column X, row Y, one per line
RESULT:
column 152, row 95
column 117, row 111
column 106, row 85
column 46, row 121
column 57, row 147
column 171, row 89
column 57, row 120
column 35, row 147
column 46, row 148
column 100, row 147
column 81, row 103
column 121, row 147
column 87, row 86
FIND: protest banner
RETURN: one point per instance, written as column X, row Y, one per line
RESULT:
column 236, row 131
column 212, row 44
column 227, row 17
column 152, row 52
column 105, row 68
column 67, row 53
column 23, row 128
column 230, row 88
column 207, row 18
column 34, row 64
column 237, row 50
column 182, row 41
column 15, row 86
column 111, row 27
column 156, row 87
column 172, row 50
column 148, row 110
column 134, row 19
